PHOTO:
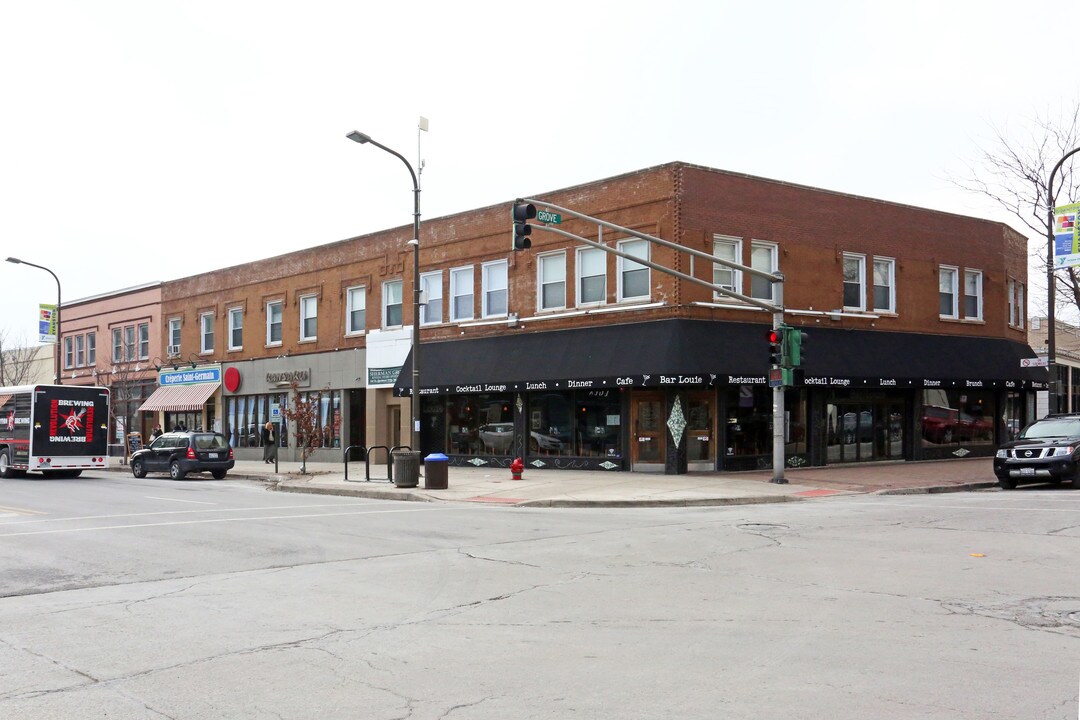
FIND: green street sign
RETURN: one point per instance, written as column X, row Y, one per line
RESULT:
column 551, row 218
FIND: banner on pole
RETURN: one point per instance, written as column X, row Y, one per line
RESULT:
column 1066, row 235
column 46, row 323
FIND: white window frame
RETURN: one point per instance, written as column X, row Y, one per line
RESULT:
column 355, row 302
column 492, row 275
column 91, row 349
column 69, row 353
column 1021, row 308
column 129, row 343
column 143, row 339
column 174, row 331
column 80, row 350
column 206, row 332
column 117, row 345
column 461, row 280
column 431, row 289
column 236, row 323
column 387, row 305
column 890, row 263
column 544, row 263
column 735, row 243
column 774, row 266
column 955, row 273
column 1012, row 301
column 309, row 310
column 279, row 305
column 627, row 266
column 579, row 265
column 860, row 279
column 978, row 275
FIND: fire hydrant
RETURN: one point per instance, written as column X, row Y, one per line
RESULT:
column 515, row 469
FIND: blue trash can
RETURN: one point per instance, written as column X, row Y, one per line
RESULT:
column 435, row 466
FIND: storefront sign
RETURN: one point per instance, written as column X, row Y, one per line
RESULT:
column 208, row 374
column 302, row 378
column 383, row 376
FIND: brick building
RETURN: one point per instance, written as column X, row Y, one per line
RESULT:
column 569, row 356
column 113, row 340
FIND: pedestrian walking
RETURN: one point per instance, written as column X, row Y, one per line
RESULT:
column 269, row 443
column 155, row 433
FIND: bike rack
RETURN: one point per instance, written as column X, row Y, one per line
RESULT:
column 389, row 465
column 349, row 449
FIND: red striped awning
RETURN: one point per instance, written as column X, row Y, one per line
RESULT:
column 178, row 398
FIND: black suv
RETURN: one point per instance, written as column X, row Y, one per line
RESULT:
column 1048, row 450
column 180, row 453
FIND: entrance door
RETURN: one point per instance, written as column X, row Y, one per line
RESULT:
column 649, row 442
column 393, row 425
column 700, row 430
column 865, row 431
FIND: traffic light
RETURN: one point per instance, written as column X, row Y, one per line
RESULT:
column 776, row 347
column 796, row 346
column 523, row 212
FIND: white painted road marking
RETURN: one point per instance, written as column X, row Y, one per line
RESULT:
column 197, row 502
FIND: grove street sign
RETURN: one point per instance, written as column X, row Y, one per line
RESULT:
column 551, row 218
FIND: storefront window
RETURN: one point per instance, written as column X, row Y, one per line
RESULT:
column 957, row 417
column 246, row 415
column 598, row 423
column 551, row 425
column 480, row 424
column 748, row 421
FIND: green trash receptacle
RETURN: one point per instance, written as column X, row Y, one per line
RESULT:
column 406, row 468
column 435, row 466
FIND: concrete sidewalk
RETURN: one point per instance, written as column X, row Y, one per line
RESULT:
column 570, row 488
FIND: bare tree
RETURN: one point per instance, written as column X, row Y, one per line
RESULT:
column 1014, row 172
column 304, row 411
column 123, row 381
column 16, row 360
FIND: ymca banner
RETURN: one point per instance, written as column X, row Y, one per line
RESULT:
column 1066, row 235
column 46, row 323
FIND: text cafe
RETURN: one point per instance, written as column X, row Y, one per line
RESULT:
column 187, row 398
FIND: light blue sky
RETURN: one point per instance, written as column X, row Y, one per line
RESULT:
column 148, row 141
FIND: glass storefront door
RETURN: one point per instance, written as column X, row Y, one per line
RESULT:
column 648, row 443
column 865, row 431
column 701, row 430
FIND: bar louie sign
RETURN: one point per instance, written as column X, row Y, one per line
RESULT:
column 302, row 378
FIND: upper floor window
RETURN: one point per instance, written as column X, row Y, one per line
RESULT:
column 174, row 336
column 495, row 288
column 117, row 345
column 730, row 249
column 973, row 301
column 1016, row 303
column 80, row 351
column 763, row 257
column 461, row 294
column 885, row 285
column 309, row 317
column 947, row 300
column 273, row 323
column 431, row 287
column 633, row 276
column 206, row 332
column 129, row 343
column 392, row 304
column 91, row 349
column 144, row 341
column 592, row 276
column 551, row 281
column 69, row 361
column 355, row 310
column 854, row 279
column 236, row 328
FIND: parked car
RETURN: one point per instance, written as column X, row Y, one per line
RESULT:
column 1045, row 451
column 180, row 453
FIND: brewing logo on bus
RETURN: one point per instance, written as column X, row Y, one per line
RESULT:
column 71, row 421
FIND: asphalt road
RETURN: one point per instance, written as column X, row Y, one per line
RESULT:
column 124, row 598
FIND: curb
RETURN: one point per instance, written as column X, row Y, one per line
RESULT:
column 937, row 489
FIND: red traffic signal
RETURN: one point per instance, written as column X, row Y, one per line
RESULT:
column 776, row 347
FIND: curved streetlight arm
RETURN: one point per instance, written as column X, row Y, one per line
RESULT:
column 56, row 352
column 1051, row 339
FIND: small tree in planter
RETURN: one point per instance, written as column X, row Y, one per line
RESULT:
column 304, row 411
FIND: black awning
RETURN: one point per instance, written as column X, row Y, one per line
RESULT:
column 704, row 354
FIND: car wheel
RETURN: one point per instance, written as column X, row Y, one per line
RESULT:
column 5, row 465
column 175, row 471
column 138, row 469
column 218, row 474
column 1007, row 483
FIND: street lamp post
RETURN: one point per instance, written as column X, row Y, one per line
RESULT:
column 414, row 408
column 1051, row 339
column 56, row 352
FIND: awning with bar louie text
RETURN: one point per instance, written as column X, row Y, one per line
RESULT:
column 179, row 398
column 706, row 354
